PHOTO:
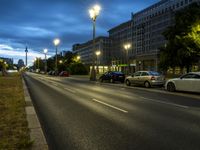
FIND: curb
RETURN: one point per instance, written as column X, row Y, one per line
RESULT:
column 36, row 133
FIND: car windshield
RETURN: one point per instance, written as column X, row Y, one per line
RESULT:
column 154, row 73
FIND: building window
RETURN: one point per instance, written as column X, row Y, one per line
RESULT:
column 186, row 1
column 181, row 3
column 177, row 5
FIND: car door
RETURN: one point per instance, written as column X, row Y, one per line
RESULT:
column 196, row 83
column 143, row 77
column 135, row 78
column 185, row 83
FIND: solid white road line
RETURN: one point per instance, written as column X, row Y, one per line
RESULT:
column 158, row 101
column 124, row 111
column 70, row 90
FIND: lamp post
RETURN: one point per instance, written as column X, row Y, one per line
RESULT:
column 56, row 43
column 45, row 54
column 127, row 47
column 94, row 12
column 97, row 54
column 139, row 65
column 26, row 51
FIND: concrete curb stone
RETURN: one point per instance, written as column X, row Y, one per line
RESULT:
column 36, row 133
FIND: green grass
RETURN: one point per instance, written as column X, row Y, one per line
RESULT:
column 14, row 132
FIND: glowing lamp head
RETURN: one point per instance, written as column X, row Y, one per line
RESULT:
column 94, row 12
column 45, row 50
column 56, row 42
column 127, row 46
column 98, row 53
column 78, row 57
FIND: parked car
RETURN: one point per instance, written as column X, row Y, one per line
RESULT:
column 188, row 82
column 64, row 74
column 50, row 72
column 112, row 76
column 146, row 78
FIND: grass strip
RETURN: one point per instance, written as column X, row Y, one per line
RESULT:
column 14, row 132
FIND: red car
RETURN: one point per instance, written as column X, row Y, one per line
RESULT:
column 64, row 74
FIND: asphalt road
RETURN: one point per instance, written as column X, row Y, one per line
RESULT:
column 77, row 114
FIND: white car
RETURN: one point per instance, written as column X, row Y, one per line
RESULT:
column 188, row 82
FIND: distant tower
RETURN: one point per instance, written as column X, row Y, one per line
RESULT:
column 26, row 51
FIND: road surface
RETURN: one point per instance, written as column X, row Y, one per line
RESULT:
column 81, row 115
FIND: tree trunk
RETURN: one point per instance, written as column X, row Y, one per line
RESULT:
column 188, row 68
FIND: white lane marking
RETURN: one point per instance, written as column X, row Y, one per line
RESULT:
column 158, row 101
column 124, row 111
column 70, row 90
column 55, row 84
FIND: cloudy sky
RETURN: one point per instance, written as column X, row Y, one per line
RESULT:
column 36, row 23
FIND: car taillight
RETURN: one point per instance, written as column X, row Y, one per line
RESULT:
column 153, row 78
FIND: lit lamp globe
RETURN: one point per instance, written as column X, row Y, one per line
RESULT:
column 56, row 42
column 45, row 50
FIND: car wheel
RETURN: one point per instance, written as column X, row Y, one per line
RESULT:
column 171, row 87
column 147, row 84
column 112, row 80
column 128, row 83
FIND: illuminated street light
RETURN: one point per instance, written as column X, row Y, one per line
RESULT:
column 45, row 54
column 94, row 12
column 60, row 61
column 78, row 58
column 127, row 47
column 56, row 43
column 97, row 54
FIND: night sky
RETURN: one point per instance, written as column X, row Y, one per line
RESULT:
column 36, row 23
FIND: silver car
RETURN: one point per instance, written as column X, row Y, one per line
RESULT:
column 146, row 78
column 188, row 82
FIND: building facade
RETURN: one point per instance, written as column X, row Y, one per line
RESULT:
column 120, row 36
column 144, row 34
column 85, row 51
column 148, row 26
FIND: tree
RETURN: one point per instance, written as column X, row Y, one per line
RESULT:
column 183, row 46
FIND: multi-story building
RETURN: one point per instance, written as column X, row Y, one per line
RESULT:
column 85, row 51
column 148, row 26
column 143, row 32
column 120, row 36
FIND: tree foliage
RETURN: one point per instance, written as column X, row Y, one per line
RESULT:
column 68, row 62
column 183, row 46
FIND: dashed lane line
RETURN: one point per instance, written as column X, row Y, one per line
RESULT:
column 111, row 106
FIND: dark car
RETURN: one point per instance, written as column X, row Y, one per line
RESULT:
column 112, row 76
column 64, row 74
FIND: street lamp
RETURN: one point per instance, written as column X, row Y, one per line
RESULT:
column 94, row 12
column 60, row 61
column 56, row 43
column 78, row 58
column 127, row 47
column 97, row 54
column 45, row 54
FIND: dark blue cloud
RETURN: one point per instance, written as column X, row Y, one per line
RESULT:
column 37, row 22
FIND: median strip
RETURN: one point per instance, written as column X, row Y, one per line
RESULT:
column 114, row 107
